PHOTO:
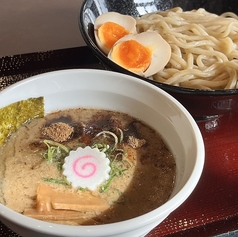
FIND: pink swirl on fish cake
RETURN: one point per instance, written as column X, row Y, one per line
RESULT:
column 84, row 166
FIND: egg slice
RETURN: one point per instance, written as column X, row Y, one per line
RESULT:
column 110, row 27
column 144, row 54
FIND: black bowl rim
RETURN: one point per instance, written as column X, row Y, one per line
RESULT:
column 169, row 88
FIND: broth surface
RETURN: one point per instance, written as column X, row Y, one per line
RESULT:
column 147, row 180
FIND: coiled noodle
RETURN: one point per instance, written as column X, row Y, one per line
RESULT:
column 204, row 47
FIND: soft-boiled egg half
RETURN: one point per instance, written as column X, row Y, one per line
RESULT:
column 110, row 27
column 143, row 54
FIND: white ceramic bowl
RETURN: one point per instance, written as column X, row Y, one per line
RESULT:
column 120, row 92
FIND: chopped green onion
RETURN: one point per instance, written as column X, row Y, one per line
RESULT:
column 56, row 152
column 105, row 133
column 56, row 181
column 56, row 144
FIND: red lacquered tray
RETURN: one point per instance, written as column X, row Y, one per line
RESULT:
column 213, row 206
column 212, row 209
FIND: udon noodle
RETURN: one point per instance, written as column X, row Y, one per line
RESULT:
column 204, row 47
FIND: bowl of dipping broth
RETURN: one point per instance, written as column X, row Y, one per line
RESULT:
column 94, row 153
column 187, row 48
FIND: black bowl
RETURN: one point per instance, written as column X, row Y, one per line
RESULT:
column 202, row 104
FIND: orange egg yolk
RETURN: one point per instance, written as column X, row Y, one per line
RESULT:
column 110, row 32
column 132, row 55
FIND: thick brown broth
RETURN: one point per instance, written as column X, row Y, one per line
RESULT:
column 146, row 183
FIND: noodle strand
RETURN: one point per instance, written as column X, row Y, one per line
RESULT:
column 204, row 47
